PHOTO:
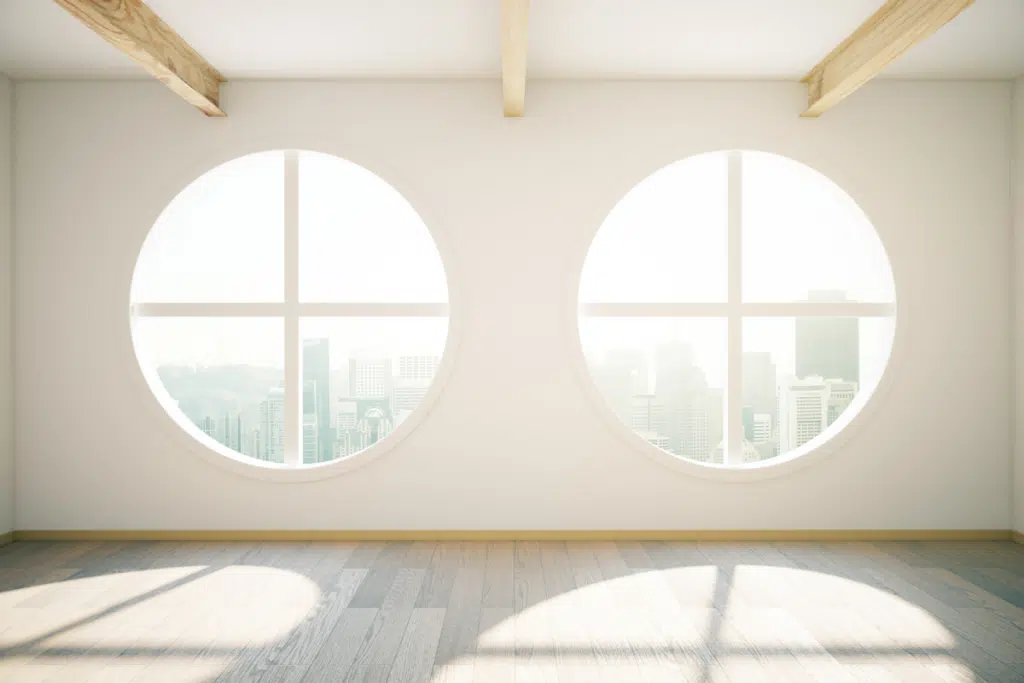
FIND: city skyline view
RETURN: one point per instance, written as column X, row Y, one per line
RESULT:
column 666, row 379
column 348, row 404
column 742, row 318
column 677, row 238
column 358, row 248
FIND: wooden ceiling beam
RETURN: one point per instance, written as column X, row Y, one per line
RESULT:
column 134, row 29
column 892, row 30
column 514, row 15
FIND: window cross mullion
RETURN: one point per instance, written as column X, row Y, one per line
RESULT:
column 292, row 343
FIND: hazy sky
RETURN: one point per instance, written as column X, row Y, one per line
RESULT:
column 260, row 341
column 222, row 238
column 666, row 241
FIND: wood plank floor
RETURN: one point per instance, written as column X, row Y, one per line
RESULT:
column 512, row 612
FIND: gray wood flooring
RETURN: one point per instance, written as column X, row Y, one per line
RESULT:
column 512, row 612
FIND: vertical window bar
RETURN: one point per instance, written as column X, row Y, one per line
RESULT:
column 292, row 345
column 733, row 452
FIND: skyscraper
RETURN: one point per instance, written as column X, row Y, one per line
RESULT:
column 417, row 367
column 347, row 437
column 759, row 383
column 714, row 406
column 762, row 428
column 647, row 412
column 311, row 450
column 622, row 375
column 347, row 415
column 208, row 426
column 370, row 377
column 407, row 395
column 828, row 347
column 272, row 426
column 689, row 419
column 803, row 412
column 415, row 374
column 316, row 368
column 232, row 434
column 253, row 446
column 840, row 395
column 694, row 443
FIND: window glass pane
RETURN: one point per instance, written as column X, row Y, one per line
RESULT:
column 805, row 378
column 363, row 377
column 220, row 378
column 220, row 239
column 664, row 378
column 805, row 238
column 360, row 240
column 666, row 239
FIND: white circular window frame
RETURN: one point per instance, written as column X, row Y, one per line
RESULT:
column 733, row 310
column 186, row 435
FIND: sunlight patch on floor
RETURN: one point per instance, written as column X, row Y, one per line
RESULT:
column 720, row 623
column 174, row 624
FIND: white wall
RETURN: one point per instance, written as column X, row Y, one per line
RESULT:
column 1018, row 223
column 514, row 441
column 6, row 301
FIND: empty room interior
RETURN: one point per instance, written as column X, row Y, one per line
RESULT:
column 512, row 341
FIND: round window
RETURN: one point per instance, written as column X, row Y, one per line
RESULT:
column 736, row 308
column 289, row 307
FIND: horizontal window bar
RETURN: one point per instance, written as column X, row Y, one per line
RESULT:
column 826, row 309
column 374, row 310
column 654, row 310
column 309, row 309
column 211, row 310
column 836, row 309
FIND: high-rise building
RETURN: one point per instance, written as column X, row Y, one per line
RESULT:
column 347, row 415
column 622, row 375
column 310, row 440
column 272, row 426
column 828, row 347
column 749, row 453
column 362, row 422
column 695, row 444
column 316, row 368
column 253, row 446
column 417, row 367
column 407, row 394
column 840, row 395
column 375, row 426
column 311, row 451
column 208, row 426
column 762, row 428
column 691, row 417
column 370, row 377
column 231, row 434
column 348, row 440
column 714, row 405
column 803, row 411
column 647, row 412
column 759, row 384
column 654, row 438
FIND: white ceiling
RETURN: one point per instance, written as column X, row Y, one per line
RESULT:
column 568, row 38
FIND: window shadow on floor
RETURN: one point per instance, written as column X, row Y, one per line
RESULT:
column 707, row 612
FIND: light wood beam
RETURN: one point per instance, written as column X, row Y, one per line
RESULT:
column 514, row 15
column 134, row 29
column 891, row 31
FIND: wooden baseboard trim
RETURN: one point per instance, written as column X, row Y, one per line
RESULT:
column 1017, row 536
column 6, row 538
column 706, row 535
